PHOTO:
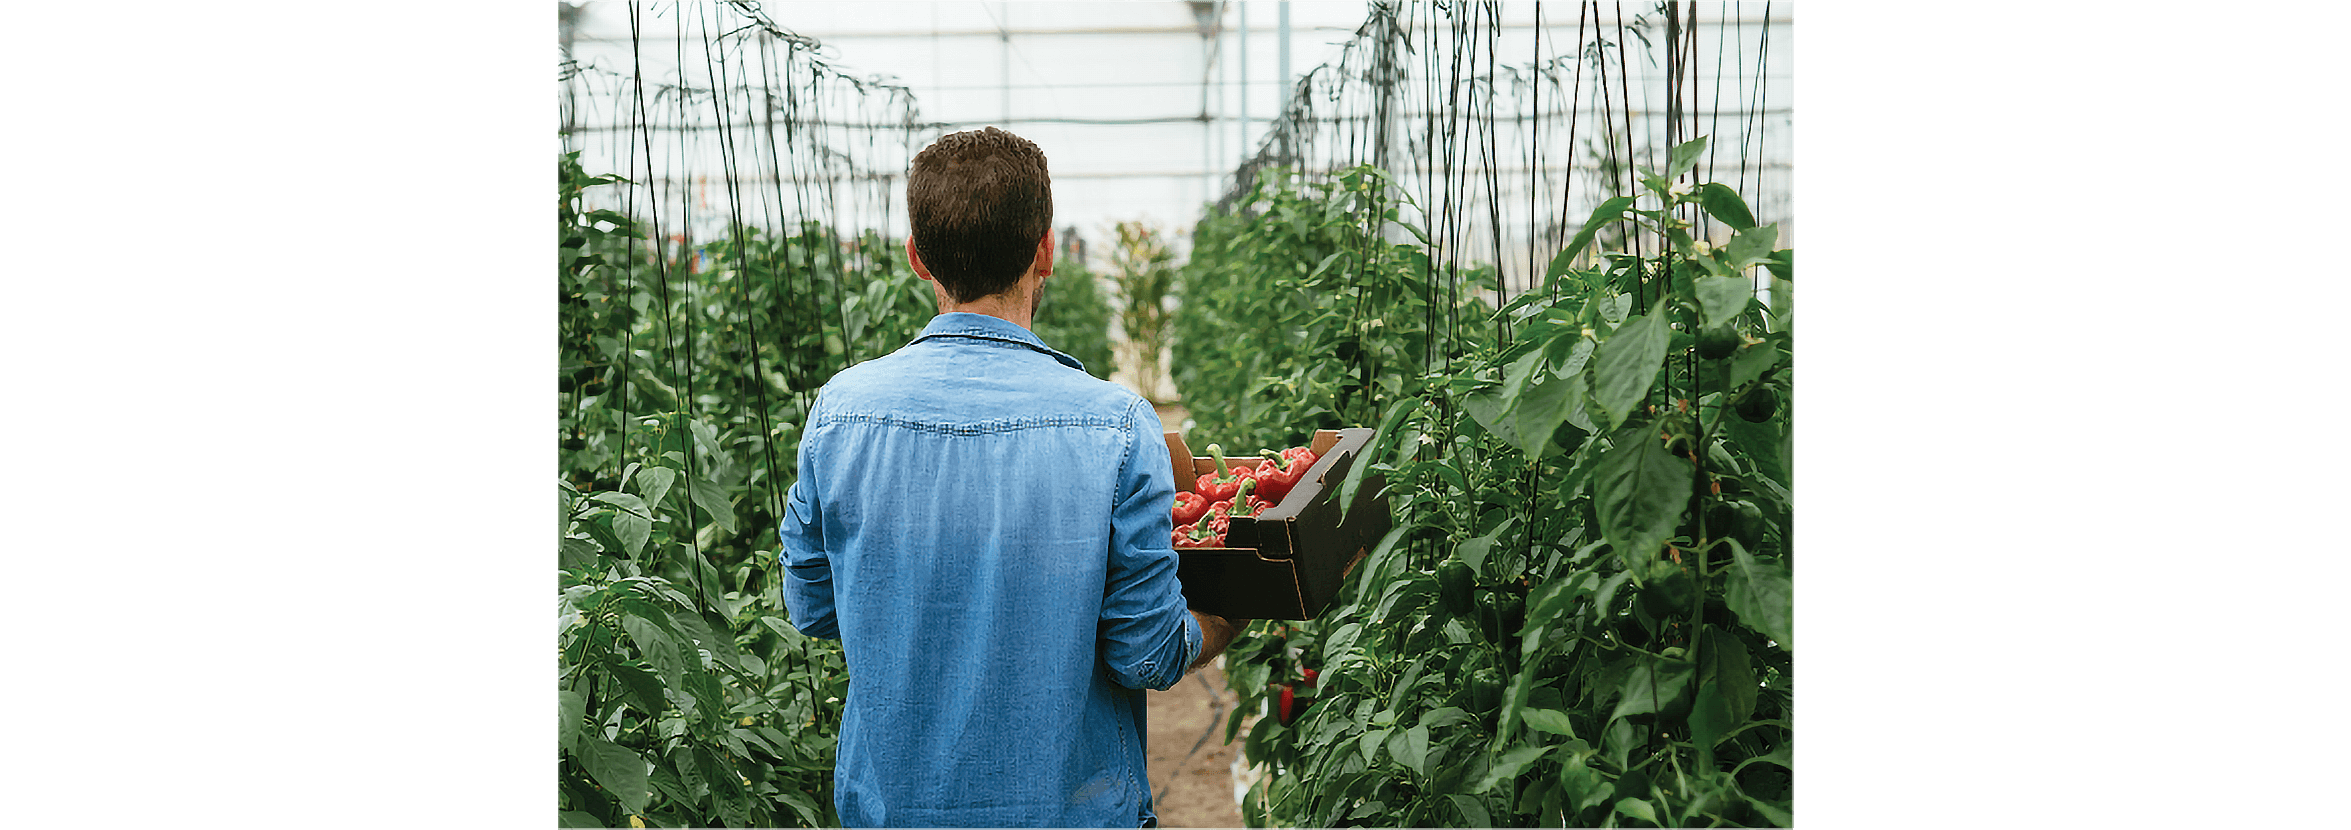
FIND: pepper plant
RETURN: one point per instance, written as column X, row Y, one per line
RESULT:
column 1297, row 314
column 1582, row 617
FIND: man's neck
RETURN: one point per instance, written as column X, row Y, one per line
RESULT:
column 1017, row 305
column 1017, row 313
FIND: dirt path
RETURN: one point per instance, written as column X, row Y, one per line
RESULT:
column 1192, row 778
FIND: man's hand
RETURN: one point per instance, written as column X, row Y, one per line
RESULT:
column 1215, row 633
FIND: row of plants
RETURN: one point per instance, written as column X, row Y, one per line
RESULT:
column 1582, row 617
column 1296, row 313
column 686, row 697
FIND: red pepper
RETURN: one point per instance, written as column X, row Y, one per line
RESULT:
column 1288, row 694
column 1302, row 458
column 1224, row 483
column 1274, row 479
column 1310, row 675
column 1197, row 535
column 1189, row 507
column 1244, row 498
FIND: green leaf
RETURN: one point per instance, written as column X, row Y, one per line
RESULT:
column 1659, row 183
column 724, row 783
column 1639, row 490
column 1620, row 740
column 1626, row 366
column 1450, row 475
column 1782, row 264
column 1507, row 767
column 575, row 818
column 627, row 503
column 1405, row 596
column 1473, row 814
column 1548, row 720
column 790, row 635
column 1377, row 561
column 633, row 530
column 1371, row 743
column 1750, row 363
column 1752, row 246
column 658, row 647
column 1726, row 688
column 1489, row 404
column 678, row 766
column 1779, row 755
column 1613, row 308
column 1582, row 785
column 653, row 483
column 1724, row 298
column 712, row 499
column 1684, row 157
column 1724, row 204
column 1778, row 816
column 1764, row 444
column 721, row 648
column 573, row 708
column 1539, row 411
column 620, row 770
column 642, row 686
column 1569, row 354
column 1608, row 211
column 1411, row 748
column 709, row 699
column 804, row 807
column 1761, row 593
column 1514, row 701
column 1607, row 592
column 1443, row 717
column 1382, row 437
column 668, row 784
column 1562, row 263
column 1475, row 551
column 1653, row 683
column 576, row 553
column 1636, row 808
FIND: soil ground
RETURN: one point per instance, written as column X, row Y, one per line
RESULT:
column 1192, row 777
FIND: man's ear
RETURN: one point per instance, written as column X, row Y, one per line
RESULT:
column 915, row 259
column 1044, row 261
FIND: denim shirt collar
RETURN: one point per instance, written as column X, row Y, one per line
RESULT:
column 988, row 327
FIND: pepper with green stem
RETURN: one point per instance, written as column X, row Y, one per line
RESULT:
column 1225, row 483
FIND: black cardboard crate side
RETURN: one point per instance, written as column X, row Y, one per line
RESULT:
column 1288, row 563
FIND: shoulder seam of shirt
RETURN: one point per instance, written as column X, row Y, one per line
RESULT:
column 993, row 425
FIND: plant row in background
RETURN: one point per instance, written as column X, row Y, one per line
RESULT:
column 1582, row 617
column 687, row 699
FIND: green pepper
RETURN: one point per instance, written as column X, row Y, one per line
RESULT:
column 1453, row 586
column 1482, row 690
column 1669, row 591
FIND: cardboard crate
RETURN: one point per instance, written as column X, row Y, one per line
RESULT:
column 1288, row 562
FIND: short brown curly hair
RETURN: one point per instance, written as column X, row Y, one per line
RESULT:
column 979, row 202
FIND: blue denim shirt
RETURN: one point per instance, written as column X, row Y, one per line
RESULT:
column 984, row 527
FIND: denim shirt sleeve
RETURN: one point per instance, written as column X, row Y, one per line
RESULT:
column 1148, row 634
column 808, row 568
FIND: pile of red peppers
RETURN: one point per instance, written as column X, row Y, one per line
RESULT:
column 1238, row 489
